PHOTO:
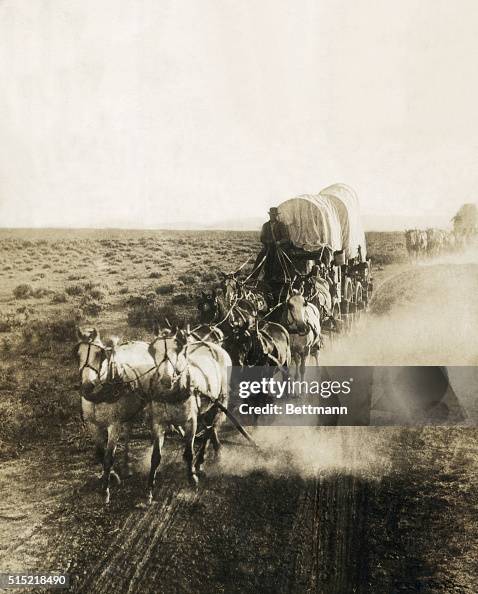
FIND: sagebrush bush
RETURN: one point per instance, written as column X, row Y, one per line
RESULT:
column 40, row 292
column 6, row 345
column 187, row 279
column 180, row 299
column 22, row 291
column 97, row 294
column 165, row 289
column 6, row 324
column 41, row 335
column 63, row 330
column 38, row 409
column 146, row 311
column 133, row 300
column 75, row 290
column 91, row 308
column 90, row 285
column 59, row 298
column 209, row 276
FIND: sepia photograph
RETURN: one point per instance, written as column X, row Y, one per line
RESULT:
column 238, row 296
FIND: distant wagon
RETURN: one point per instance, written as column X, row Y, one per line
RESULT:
column 465, row 223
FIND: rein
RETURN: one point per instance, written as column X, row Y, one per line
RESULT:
column 242, row 266
column 258, row 267
column 274, row 308
column 213, row 328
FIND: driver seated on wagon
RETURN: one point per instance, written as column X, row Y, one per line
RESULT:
column 274, row 231
column 274, row 238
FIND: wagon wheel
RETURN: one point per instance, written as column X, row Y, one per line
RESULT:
column 337, row 327
column 336, row 311
column 331, row 328
column 346, row 316
column 346, row 310
column 359, row 302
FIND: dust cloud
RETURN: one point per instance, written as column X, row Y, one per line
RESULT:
column 425, row 315
column 307, row 451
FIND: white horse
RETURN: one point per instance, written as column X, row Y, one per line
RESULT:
column 190, row 380
column 302, row 320
column 115, row 384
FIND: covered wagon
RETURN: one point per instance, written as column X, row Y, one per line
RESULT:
column 465, row 223
column 330, row 218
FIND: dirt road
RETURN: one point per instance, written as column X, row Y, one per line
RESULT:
column 329, row 510
column 387, row 510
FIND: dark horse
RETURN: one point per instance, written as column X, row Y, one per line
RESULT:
column 250, row 342
column 266, row 344
column 235, row 289
column 214, row 309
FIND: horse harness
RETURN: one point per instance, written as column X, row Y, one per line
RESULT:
column 114, row 382
column 175, row 396
column 87, row 364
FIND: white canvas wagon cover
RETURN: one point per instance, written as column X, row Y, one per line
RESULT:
column 330, row 218
column 466, row 219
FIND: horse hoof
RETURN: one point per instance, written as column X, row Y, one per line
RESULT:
column 116, row 477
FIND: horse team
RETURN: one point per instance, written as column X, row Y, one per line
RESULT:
column 181, row 379
column 421, row 243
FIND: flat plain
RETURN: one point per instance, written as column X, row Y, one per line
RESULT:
column 340, row 509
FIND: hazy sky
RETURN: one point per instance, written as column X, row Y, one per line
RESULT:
column 147, row 112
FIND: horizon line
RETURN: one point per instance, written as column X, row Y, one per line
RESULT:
column 155, row 229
